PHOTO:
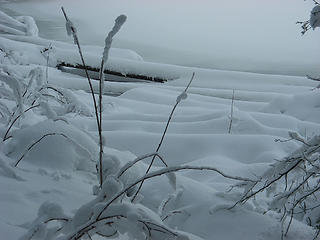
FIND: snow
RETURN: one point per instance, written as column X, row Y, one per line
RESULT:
column 55, row 145
column 120, row 20
column 315, row 17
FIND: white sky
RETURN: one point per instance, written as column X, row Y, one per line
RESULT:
column 257, row 35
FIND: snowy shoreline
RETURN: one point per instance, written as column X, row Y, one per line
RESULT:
column 52, row 27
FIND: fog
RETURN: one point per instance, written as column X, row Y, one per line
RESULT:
column 247, row 35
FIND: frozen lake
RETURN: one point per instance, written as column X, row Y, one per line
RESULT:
column 239, row 36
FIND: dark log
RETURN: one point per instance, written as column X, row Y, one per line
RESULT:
column 110, row 75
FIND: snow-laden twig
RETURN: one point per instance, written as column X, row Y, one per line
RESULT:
column 106, row 215
column 315, row 17
column 15, row 85
column 313, row 78
column 171, row 170
column 314, row 20
column 172, row 197
column 292, row 181
column 71, row 29
column 120, row 20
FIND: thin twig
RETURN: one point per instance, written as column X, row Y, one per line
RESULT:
column 47, row 135
column 100, row 127
column 57, row 219
column 246, row 197
column 289, row 224
column 313, row 78
column 166, row 171
column 162, row 137
column 76, row 40
column 172, row 213
column 231, row 112
column 13, row 122
column 138, row 159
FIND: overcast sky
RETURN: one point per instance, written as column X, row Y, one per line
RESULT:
column 226, row 34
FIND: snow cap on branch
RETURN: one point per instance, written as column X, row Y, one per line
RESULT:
column 70, row 27
column 120, row 20
column 315, row 17
column 182, row 96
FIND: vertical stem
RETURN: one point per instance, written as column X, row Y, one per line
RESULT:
column 231, row 114
column 100, row 120
column 13, row 122
column 85, row 68
column 47, row 68
column 162, row 138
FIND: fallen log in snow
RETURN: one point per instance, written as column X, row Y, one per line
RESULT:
column 109, row 75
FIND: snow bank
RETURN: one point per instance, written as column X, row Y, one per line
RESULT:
column 75, row 151
column 304, row 106
column 23, row 25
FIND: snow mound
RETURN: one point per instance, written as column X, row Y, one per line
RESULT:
column 58, row 146
column 22, row 25
column 304, row 106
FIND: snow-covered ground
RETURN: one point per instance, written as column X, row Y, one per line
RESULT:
column 61, row 168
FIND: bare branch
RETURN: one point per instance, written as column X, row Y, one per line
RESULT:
column 138, row 159
column 164, row 133
column 5, row 137
column 231, row 112
column 169, row 170
column 48, row 135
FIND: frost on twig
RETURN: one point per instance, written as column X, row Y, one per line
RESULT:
column 32, row 93
column 118, row 24
column 15, row 86
column 120, row 20
column 171, row 198
column 70, row 27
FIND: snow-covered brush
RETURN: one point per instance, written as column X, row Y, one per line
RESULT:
column 292, row 185
column 112, row 213
column 314, row 20
column 16, row 88
column 315, row 17
column 71, row 30
column 25, row 95
column 32, row 92
column 120, row 20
